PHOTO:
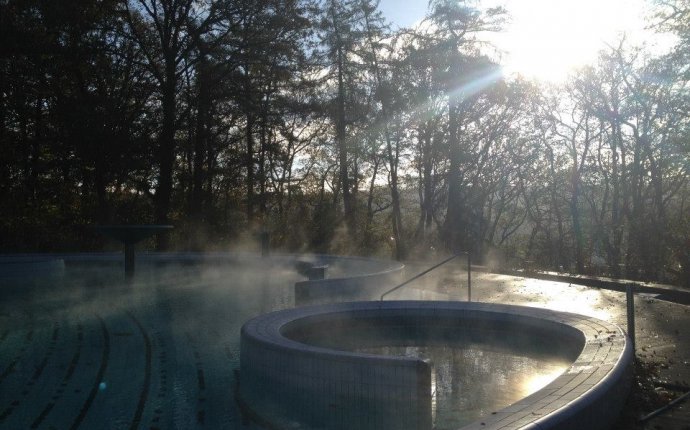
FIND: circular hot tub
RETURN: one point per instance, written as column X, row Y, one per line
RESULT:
column 348, row 365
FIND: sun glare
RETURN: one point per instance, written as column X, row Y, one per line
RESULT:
column 533, row 383
column 547, row 39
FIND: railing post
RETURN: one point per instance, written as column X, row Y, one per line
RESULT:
column 469, row 276
column 630, row 301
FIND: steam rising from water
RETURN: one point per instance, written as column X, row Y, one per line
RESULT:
column 191, row 315
column 474, row 371
column 175, row 326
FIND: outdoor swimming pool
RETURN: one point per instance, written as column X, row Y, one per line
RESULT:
column 471, row 378
column 452, row 363
column 87, row 350
column 83, row 348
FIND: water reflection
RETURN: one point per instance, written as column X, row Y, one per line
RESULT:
column 474, row 379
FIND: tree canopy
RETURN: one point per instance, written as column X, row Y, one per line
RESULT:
column 315, row 121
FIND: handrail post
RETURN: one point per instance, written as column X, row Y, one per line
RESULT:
column 630, row 301
column 469, row 276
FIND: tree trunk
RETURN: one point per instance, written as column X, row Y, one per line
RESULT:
column 342, row 147
column 166, row 152
column 453, row 227
column 577, row 227
column 249, row 135
column 99, row 184
column 558, row 256
column 200, row 144
column 263, row 147
column 614, row 250
column 393, row 154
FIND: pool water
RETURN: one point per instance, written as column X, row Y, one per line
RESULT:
column 87, row 350
column 478, row 366
column 470, row 380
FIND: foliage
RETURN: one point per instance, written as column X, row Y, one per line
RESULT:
column 314, row 120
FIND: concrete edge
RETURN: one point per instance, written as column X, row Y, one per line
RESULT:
column 364, row 286
column 589, row 394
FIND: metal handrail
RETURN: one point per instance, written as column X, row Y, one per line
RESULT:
column 419, row 275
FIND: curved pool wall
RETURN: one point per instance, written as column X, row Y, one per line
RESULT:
column 82, row 347
column 283, row 378
column 354, row 278
column 27, row 267
column 347, row 277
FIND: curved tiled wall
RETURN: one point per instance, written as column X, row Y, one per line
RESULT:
column 28, row 268
column 360, row 279
column 284, row 378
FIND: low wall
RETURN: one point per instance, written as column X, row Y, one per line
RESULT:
column 284, row 378
column 356, row 279
column 13, row 268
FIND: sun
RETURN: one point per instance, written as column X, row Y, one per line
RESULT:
column 548, row 39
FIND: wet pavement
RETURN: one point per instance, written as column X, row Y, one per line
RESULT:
column 662, row 321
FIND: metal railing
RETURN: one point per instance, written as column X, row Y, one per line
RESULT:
column 630, row 314
column 419, row 275
column 630, row 288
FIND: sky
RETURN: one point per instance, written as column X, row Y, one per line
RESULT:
column 403, row 13
column 547, row 39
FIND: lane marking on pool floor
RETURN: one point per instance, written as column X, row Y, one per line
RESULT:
column 99, row 376
column 143, row 397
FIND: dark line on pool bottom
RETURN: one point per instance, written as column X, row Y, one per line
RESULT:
column 99, row 377
column 9, row 369
column 70, row 371
column 200, row 379
column 72, row 365
column 6, row 413
column 147, row 375
column 44, row 413
column 41, row 367
column 36, row 375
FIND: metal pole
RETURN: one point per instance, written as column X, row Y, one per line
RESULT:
column 469, row 276
column 665, row 407
column 630, row 301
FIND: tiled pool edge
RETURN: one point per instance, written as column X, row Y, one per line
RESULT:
column 368, row 279
column 589, row 394
column 22, row 268
column 380, row 276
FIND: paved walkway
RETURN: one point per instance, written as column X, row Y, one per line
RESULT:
column 662, row 323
